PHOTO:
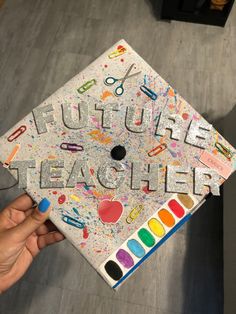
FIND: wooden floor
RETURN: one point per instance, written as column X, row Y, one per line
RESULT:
column 45, row 43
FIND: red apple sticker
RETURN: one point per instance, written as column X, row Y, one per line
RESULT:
column 110, row 211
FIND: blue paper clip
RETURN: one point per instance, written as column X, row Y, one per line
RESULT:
column 148, row 92
column 73, row 222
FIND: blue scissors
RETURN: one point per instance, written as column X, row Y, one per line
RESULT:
column 120, row 89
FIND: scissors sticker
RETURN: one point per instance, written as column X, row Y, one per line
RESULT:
column 110, row 80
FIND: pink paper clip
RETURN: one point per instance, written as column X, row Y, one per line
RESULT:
column 157, row 150
column 17, row 133
column 72, row 147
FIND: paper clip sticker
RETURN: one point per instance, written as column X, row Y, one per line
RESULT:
column 118, row 52
column 135, row 212
column 157, row 150
column 223, row 150
column 17, row 133
column 82, row 89
column 73, row 222
column 11, row 156
column 72, row 147
column 147, row 91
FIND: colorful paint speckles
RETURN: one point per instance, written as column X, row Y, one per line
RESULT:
column 147, row 238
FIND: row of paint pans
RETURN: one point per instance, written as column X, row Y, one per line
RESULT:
column 147, row 238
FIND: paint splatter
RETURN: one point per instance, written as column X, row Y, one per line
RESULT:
column 176, row 163
column 85, row 233
column 196, row 117
column 171, row 106
column 62, row 199
column 75, row 198
column 185, row 116
column 146, row 190
column 82, row 245
column 97, row 135
column 171, row 92
column 75, row 211
column 87, row 188
column 106, row 94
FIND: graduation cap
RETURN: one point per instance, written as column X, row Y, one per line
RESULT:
column 122, row 157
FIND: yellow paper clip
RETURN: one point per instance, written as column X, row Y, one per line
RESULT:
column 118, row 52
column 223, row 150
column 11, row 156
column 157, row 150
column 135, row 212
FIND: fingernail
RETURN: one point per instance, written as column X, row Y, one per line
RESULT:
column 44, row 205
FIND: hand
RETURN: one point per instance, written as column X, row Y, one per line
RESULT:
column 24, row 231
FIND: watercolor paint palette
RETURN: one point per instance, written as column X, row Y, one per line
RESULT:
column 123, row 158
column 156, row 230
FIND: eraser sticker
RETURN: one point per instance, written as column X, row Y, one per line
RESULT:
column 214, row 163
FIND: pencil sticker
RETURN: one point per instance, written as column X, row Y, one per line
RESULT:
column 11, row 156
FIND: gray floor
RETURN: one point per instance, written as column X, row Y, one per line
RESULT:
column 42, row 45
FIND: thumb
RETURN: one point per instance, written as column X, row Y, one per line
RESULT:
column 38, row 216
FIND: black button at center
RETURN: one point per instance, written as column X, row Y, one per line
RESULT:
column 118, row 152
